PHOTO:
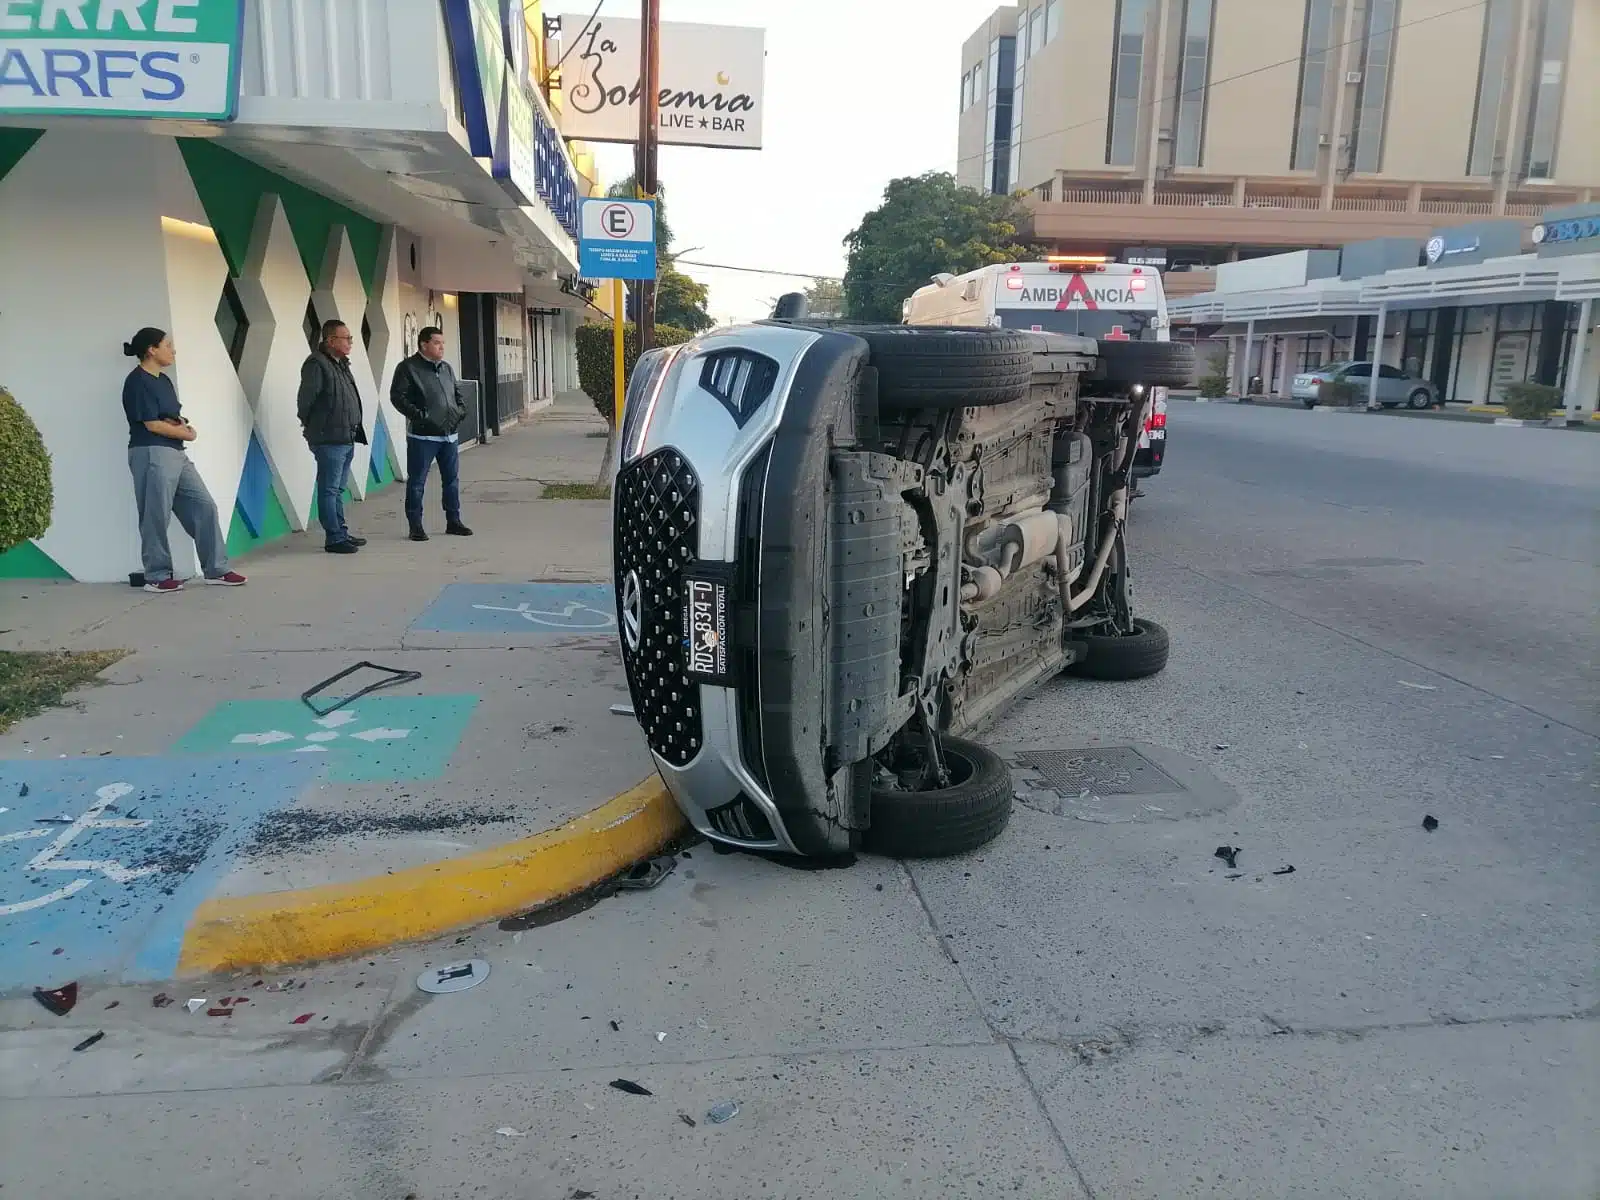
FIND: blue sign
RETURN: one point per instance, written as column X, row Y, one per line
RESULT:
column 617, row 239
column 553, row 609
column 104, row 860
column 1575, row 229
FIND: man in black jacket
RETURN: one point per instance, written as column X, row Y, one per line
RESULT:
column 330, row 415
column 424, row 391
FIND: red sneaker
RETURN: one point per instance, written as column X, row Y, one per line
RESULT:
column 166, row 585
column 231, row 579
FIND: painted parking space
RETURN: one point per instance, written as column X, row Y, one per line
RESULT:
column 376, row 739
column 555, row 609
column 104, row 860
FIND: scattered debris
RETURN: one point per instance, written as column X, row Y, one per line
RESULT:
column 580, row 1194
column 1421, row 687
column 688, row 1120
column 507, row 1131
column 160, row 1000
column 112, row 1005
column 641, row 877
column 1288, row 870
column 302, row 1018
column 1235, row 875
column 1430, row 823
column 57, row 1001
column 396, row 676
column 22, row 792
column 722, row 1112
column 615, row 1028
column 622, row 710
column 632, row 1088
column 454, row 977
column 88, row 1041
column 1229, row 855
column 219, row 1012
column 1221, row 746
column 195, row 1005
column 661, row 1037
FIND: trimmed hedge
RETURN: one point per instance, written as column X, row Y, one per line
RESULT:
column 1531, row 401
column 1340, row 393
column 594, row 359
column 26, row 495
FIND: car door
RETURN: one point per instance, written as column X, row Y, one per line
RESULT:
column 1359, row 374
column 1394, row 386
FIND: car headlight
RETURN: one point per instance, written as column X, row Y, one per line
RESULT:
column 643, row 394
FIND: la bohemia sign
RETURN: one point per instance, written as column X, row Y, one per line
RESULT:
column 711, row 82
column 121, row 58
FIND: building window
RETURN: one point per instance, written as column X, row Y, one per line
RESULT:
column 1549, row 77
column 1494, row 67
column 1314, row 48
column 997, row 154
column 1013, row 167
column 1035, row 31
column 1372, row 98
column 1194, row 69
column 1123, row 128
column 1052, row 20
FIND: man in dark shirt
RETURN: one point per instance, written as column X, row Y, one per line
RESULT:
column 165, row 482
column 424, row 391
column 330, row 415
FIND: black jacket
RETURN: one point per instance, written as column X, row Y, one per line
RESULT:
column 330, row 402
column 425, row 393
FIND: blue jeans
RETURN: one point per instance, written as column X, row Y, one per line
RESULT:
column 420, row 456
column 333, row 465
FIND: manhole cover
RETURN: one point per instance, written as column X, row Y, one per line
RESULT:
column 1114, row 784
column 1104, row 770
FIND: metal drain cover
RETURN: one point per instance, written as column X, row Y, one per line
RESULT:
column 1114, row 783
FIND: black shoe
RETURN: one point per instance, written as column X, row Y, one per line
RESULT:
column 342, row 548
column 418, row 534
column 457, row 528
column 355, row 541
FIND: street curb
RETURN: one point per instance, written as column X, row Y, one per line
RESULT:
column 339, row 919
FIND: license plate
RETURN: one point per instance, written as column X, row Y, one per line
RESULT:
column 1158, row 435
column 705, row 629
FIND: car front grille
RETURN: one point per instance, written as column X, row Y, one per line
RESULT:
column 742, row 821
column 657, row 519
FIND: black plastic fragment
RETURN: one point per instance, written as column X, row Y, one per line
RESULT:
column 641, row 877
column 1288, row 870
column 88, row 1041
column 1229, row 855
column 58, row 1001
column 1430, row 823
column 632, row 1088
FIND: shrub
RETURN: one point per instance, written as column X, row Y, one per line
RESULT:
column 1339, row 393
column 594, row 359
column 1214, row 383
column 1531, row 401
column 26, row 497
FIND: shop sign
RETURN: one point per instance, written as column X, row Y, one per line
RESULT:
column 711, row 82
column 1443, row 246
column 1574, row 229
column 120, row 58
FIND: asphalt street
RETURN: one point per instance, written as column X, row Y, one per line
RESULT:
column 1374, row 620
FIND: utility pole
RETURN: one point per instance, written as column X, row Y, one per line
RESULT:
column 645, row 163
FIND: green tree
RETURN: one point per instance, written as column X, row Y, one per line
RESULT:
column 26, row 495
column 825, row 298
column 925, row 225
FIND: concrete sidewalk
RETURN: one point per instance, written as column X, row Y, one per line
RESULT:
column 244, row 829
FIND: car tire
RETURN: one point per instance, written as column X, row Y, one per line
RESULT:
column 953, row 820
column 948, row 367
column 1420, row 399
column 1309, row 403
column 1154, row 364
column 1131, row 656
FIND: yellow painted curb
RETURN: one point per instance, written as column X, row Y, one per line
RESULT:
column 337, row 919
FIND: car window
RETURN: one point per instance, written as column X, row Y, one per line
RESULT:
column 1387, row 372
column 1358, row 371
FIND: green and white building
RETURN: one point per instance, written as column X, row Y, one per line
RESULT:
column 236, row 172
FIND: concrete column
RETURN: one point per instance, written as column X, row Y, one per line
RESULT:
column 1281, row 388
column 1518, row 80
column 1154, row 103
column 1377, row 355
column 1249, row 345
column 1575, row 400
column 1238, row 200
column 1414, row 198
column 1330, row 163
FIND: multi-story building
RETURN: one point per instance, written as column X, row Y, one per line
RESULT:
column 237, row 172
column 1194, row 132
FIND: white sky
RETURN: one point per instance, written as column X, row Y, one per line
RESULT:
column 858, row 92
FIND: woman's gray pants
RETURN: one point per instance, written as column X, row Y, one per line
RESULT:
column 166, row 484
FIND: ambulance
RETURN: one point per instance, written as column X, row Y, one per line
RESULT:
column 1121, row 306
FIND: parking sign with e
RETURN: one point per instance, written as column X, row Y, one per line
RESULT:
column 617, row 239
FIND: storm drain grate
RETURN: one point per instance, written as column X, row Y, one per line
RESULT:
column 1103, row 771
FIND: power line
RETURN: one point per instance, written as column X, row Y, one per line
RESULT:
column 689, row 262
column 1212, row 83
